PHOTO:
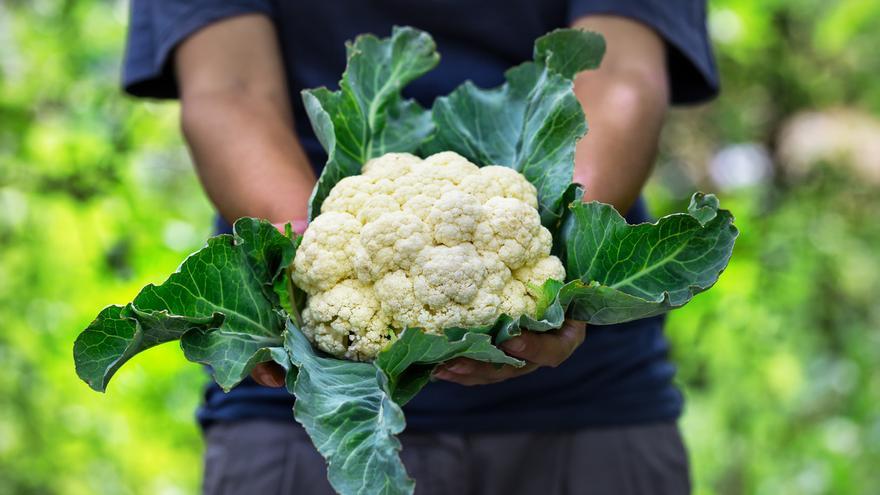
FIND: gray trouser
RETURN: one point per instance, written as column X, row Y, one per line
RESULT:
column 271, row 457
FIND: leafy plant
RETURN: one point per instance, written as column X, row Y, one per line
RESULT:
column 226, row 304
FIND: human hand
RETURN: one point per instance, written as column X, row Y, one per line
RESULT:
column 271, row 374
column 537, row 349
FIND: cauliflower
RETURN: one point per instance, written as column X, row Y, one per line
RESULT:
column 325, row 255
column 346, row 321
column 433, row 244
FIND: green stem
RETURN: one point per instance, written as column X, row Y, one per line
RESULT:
column 291, row 295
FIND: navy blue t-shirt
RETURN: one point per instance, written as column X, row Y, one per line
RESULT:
column 620, row 375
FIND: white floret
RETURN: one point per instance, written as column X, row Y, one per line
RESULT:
column 496, row 181
column 483, row 310
column 420, row 205
column 512, row 229
column 436, row 319
column 454, row 217
column 515, row 299
column 497, row 273
column 347, row 320
column 446, row 166
column 377, row 206
column 349, row 195
column 417, row 183
column 444, row 275
column 541, row 271
column 397, row 296
column 390, row 165
column 391, row 242
column 325, row 255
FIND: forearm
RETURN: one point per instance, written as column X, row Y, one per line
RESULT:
column 247, row 156
column 625, row 101
column 236, row 117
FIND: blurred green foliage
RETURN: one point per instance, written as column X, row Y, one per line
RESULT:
column 97, row 198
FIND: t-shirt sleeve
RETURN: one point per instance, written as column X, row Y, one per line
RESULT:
column 682, row 24
column 155, row 29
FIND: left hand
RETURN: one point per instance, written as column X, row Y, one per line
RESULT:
column 537, row 349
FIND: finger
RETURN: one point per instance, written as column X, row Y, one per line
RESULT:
column 468, row 380
column 547, row 349
column 470, row 372
column 460, row 366
column 268, row 374
column 299, row 226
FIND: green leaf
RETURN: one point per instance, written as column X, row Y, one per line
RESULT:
column 601, row 305
column 347, row 410
column 574, row 192
column 351, row 410
column 115, row 336
column 220, row 303
column 550, row 314
column 367, row 117
column 547, row 305
column 291, row 298
column 531, row 123
column 703, row 207
column 569, row 51
column 409, row 361
column 626, row 272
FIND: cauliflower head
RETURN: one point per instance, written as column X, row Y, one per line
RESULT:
column 433, row 244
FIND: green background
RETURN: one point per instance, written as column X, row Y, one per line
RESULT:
column 778, row 362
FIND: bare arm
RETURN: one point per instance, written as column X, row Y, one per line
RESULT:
column 236, row 118
column 625, row 101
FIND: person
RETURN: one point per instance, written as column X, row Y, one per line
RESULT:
column 596, row 409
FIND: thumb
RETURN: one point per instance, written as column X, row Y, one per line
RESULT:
column 268, row 375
